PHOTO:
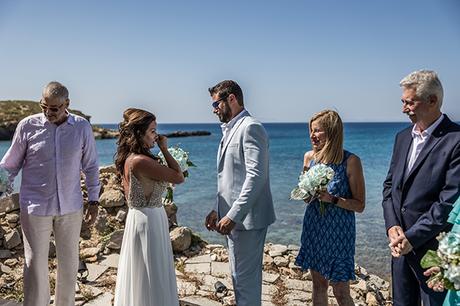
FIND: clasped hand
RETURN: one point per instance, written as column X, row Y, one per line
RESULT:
column 224, row 226
column 399, row 244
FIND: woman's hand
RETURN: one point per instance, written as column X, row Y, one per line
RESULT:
column 324, row 196
column 436, row 285
column 162, row 142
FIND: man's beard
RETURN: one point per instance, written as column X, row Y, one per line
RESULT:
column 225, row 116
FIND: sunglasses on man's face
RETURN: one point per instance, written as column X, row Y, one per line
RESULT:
column 46, row 108
column 216, row 103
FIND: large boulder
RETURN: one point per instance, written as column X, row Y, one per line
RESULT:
column 9, row 203
column 112, row 198
column 181, row 239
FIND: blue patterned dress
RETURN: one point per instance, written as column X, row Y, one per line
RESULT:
column 328, row 241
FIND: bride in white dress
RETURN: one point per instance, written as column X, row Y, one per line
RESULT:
column 146, row 274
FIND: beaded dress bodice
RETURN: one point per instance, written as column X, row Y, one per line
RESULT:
column 137, row 197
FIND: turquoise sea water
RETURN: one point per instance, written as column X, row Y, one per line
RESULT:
column 372, row 142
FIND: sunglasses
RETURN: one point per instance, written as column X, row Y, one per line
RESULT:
column 46, row 108
column 408, row 102
column 216, row 103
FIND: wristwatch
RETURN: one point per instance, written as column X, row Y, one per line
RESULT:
column 335, row 200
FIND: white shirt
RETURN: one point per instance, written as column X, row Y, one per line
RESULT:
column 51, row 158
column 418, row 142
column 227, row 127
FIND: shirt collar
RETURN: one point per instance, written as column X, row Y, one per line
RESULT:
column 229, row 125
column 429, row 130
column 70, row 118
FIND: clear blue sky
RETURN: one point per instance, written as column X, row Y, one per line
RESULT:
column 292, row 58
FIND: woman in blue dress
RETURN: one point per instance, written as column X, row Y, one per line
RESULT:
column 328, row 237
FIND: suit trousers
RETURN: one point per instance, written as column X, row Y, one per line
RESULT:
column 36, row 231
column 246, row 250
column 409, row 284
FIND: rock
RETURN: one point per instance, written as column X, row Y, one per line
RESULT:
column 121, row 215
column 181, row 238
column 111, row 261
column 371, row 299
column 198, row 301
column 5, row 254
column 12, row 239
column 52, row 250
column 115, row 240
column 277, row 250
column 9, row 203
column 112, row 198
column 111, row 169
column 5, row 269
column 12, row 218
column 89, row 252
column 11, row 262
column 101, row 221
column 171, row 209
column 280, row 261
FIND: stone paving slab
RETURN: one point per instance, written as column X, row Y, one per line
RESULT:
column 221, row 269
column 198, row 301
column 199, row 259
column 111, row 261
column 202, row 268
column 9, row 303
column 103, row 300
column 94, row 271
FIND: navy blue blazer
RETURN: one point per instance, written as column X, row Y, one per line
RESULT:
column 421, row 203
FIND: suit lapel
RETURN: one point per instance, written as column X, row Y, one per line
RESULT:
column 405, row 147
column 223, row 146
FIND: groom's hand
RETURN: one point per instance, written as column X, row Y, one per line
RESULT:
column 211, row 220
column 225, row 225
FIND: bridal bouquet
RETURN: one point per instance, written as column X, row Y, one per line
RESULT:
column 447, row 258
column 5, row 186
column 311, row 183
column 184, row 162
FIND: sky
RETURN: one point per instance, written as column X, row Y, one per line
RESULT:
column 292, row 58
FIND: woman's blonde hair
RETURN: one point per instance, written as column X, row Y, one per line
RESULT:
column 330, row 122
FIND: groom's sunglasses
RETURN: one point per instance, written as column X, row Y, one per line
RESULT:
column 215, row 104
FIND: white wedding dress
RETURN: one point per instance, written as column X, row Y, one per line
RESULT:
column 146, row 274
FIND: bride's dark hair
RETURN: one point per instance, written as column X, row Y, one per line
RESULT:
column 132, row 130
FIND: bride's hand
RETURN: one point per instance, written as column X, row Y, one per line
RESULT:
column 162, row 142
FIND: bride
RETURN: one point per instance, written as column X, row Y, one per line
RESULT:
column 146, row 275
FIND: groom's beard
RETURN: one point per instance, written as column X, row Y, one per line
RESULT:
column 225, row 115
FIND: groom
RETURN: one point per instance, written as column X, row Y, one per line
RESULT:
column 244, row 207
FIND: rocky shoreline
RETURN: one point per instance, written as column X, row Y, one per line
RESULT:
column 200, row 267
column 13, row 111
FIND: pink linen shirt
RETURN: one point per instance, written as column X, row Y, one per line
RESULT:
column 52, row 158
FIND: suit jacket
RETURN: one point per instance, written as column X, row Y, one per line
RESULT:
column 420, row 203
column 243, row 184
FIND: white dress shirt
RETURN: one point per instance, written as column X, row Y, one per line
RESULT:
column 418, row 142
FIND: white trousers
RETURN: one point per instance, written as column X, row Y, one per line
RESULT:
column 36, row 231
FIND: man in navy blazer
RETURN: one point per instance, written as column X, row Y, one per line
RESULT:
column 421, row 186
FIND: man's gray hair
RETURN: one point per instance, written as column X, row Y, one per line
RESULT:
column 426, row 83
column 55, row 90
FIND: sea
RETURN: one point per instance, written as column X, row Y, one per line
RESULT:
column 372, row 142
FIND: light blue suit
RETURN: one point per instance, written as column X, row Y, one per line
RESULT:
column 243, row 195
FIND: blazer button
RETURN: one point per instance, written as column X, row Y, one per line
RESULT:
column 403, row 209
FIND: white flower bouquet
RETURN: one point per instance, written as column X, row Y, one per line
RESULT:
column 311, row 183
column 184, row 162
column 447, row 258
column 5, row 186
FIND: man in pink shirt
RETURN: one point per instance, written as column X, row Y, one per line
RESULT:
column 52, row 149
